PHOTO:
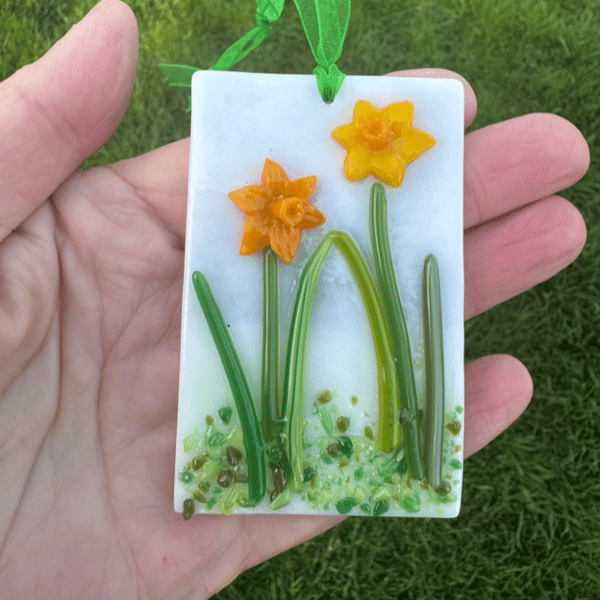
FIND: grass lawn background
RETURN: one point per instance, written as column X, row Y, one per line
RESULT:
column 530, row 522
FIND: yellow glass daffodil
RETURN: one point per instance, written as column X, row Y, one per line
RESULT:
column 277, row 210
column 381, row 141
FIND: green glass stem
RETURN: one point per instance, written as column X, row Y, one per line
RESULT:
column 270, row 409
column 253, row 440
column 397, row 328
column 296, row 353
column 434, row 372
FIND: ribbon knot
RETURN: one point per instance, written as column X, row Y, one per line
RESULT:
column 328, row 81
column 265, row 17
column 263, row 23
column 267, row 12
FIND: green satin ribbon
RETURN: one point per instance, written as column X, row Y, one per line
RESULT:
column 267, row 12
column 325, row 23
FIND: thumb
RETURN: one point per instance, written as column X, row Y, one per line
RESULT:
column 60, row 109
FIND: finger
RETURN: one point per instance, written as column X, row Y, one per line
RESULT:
column 498, row 389
column 470, row 98
column 61, row 108
column 510, row 255
column 513, row 163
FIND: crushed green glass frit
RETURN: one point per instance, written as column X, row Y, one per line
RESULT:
column 325, row 396
column 309, row 473
column 342, row 472
column 226, row 413
column 345, row 444
column 190, row 440
column 342, row 424
column 453, row 427
column 326, row 420
column 199, row 461
column 380, row 508
column 186, row 476
column 233, row 455
column 188, row 508
column 346, row 505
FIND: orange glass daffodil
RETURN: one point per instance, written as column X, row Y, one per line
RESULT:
column 381, row 141
column 277, row 210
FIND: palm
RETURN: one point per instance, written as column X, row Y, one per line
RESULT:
column 108, row 451
column 90, row 301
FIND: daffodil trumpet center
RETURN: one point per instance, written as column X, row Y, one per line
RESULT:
column 289, row 210
column 376, row 133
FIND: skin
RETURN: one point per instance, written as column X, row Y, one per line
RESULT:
column 90, row 295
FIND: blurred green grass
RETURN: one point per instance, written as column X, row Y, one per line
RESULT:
column 530, row 522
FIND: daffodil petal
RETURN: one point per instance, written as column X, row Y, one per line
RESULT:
column 399, row 112
column 272, row 173
column 412, row 144
column 389, row 167
column 284, row 241
column 346, row 135
column 356, row 164
column 251, row 199
column 362, row 111
column 302, row 188
column 256, row 233
column 312, row 217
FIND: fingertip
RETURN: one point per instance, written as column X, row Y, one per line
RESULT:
column 470, row 98
column 95, row 63
column 117, row 8
column 498, row 389
column 508, row 373
column 521, row 377
column 573, row 230
column 114, row 58
column 579, row 145
column 565, row 135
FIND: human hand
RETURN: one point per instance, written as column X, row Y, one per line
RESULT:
column 90, row 301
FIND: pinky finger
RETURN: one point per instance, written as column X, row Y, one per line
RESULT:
column 498, row 389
